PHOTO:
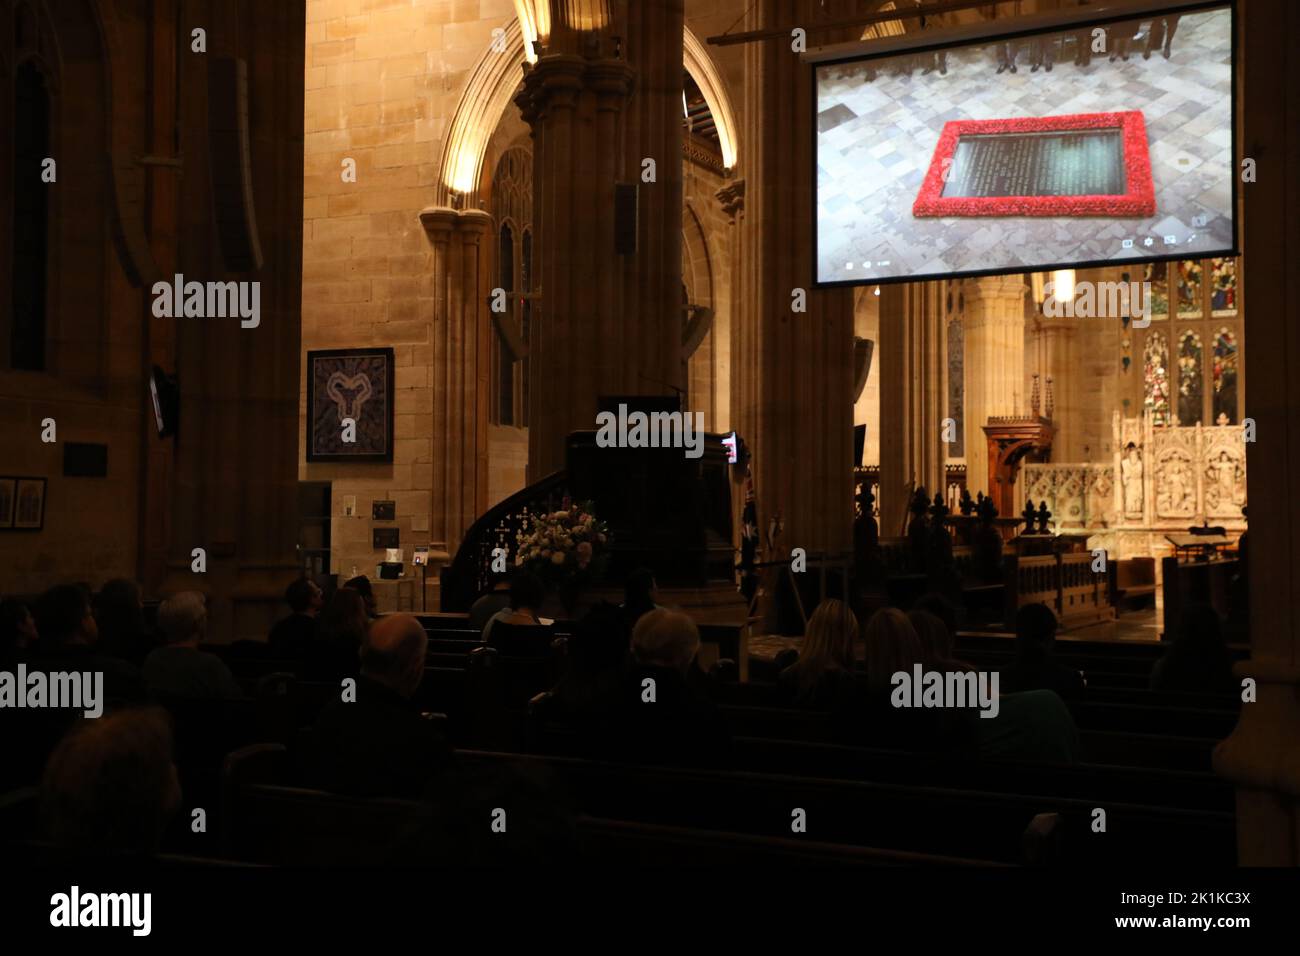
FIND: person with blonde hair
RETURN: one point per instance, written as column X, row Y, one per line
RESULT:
column 892, row 645
column 826, row 659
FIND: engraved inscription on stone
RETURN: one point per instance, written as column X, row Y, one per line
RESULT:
column 1073, row 163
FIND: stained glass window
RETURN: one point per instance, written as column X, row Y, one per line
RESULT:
column 1223, row 286
column 956, row 384
column 1155, row 375
column 1190, row 408
column 1189, row 287
column 1225, row 377
column 1155, row 273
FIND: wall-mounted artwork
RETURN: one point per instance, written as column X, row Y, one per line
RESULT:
column 22, row 504
column 384, row 538
column 350, row 405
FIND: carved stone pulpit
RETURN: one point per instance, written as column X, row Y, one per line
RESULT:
column 1013, row 440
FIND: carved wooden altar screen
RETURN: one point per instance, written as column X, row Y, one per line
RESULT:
column 1013, row 440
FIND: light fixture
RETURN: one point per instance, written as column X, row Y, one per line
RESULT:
column 1063, row 285
column 877, row 292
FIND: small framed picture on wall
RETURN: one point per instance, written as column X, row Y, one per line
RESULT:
column 29, row 504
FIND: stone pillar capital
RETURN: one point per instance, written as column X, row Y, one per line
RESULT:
column 993, row 288
column 438, row 221
column 732, row 197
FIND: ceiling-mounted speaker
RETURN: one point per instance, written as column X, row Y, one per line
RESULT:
column 231, row 156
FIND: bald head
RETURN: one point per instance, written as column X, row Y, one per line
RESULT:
column 393, row 652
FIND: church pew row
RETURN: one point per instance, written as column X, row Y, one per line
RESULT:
column 961, row 822
column 1176, row 738
column 268, row 821
column 1154, row 786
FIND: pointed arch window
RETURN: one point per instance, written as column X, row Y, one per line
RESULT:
column 29, row 236
column 512, row 206
column 1195, row 311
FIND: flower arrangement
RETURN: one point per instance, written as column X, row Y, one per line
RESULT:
column 565, row 545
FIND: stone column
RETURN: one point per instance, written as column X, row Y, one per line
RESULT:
column 606, row 324
column 913, row 400
column 236, row 466
column 1058, row 362
column 1261, row 756
column 792, row 376
column 995, row 364
column 461, row 371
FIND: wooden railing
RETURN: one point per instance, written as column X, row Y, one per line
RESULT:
column 1066, row 583
column 470, row 572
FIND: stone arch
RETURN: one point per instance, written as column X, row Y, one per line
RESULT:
column 492, row 85
column 697, row 277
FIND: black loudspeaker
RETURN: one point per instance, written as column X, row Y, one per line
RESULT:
column 85, row 460
column 859, row 443
column 384, row 538
column 166, row 397
column 231, row 162
column 625, row 219
column 383, row 510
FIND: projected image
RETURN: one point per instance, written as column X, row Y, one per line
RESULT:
column 1101, row 142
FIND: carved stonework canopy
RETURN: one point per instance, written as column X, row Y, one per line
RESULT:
column 1012, row 439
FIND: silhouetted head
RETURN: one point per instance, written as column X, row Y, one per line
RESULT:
column 664, row 638
column 17, row 626
column 303, row 596
column 118, row 609
column 892, row 645
column 394, row 651
column 942, row 608
column 935, row 639
column 1035, row 628
column 828, row 642
column 361, row 584
column 110, row 785
column 63, row 617
column 183, row 618
column 526, row 591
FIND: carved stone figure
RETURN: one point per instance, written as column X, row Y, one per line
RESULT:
column 1131, row 477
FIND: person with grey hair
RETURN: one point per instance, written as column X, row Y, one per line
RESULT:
column 661, row 716
column 178, row 669
column 371, row 740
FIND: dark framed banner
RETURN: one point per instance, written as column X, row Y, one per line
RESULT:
column 22, row 504
column 355, row 384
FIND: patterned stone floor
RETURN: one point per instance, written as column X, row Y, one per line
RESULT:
column 876, row 139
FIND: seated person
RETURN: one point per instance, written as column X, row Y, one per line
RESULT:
column 595, row 667
column 893, row 646
column 1033, row 668
column 1033, row 725
column 17, row 632
column 68, row 642
column 1198, row 661
column 824, row 670
column 496, row 598
column 361, row 584
column 119, row 615
column 640, row 596
column 378, row 745
column 110, row 786
column 334, row 650
column 526, row 596
column 658, row 717
column 178, row 668
column 291, row 635
column 936, row 642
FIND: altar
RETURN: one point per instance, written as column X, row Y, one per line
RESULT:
column 1161, row 480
